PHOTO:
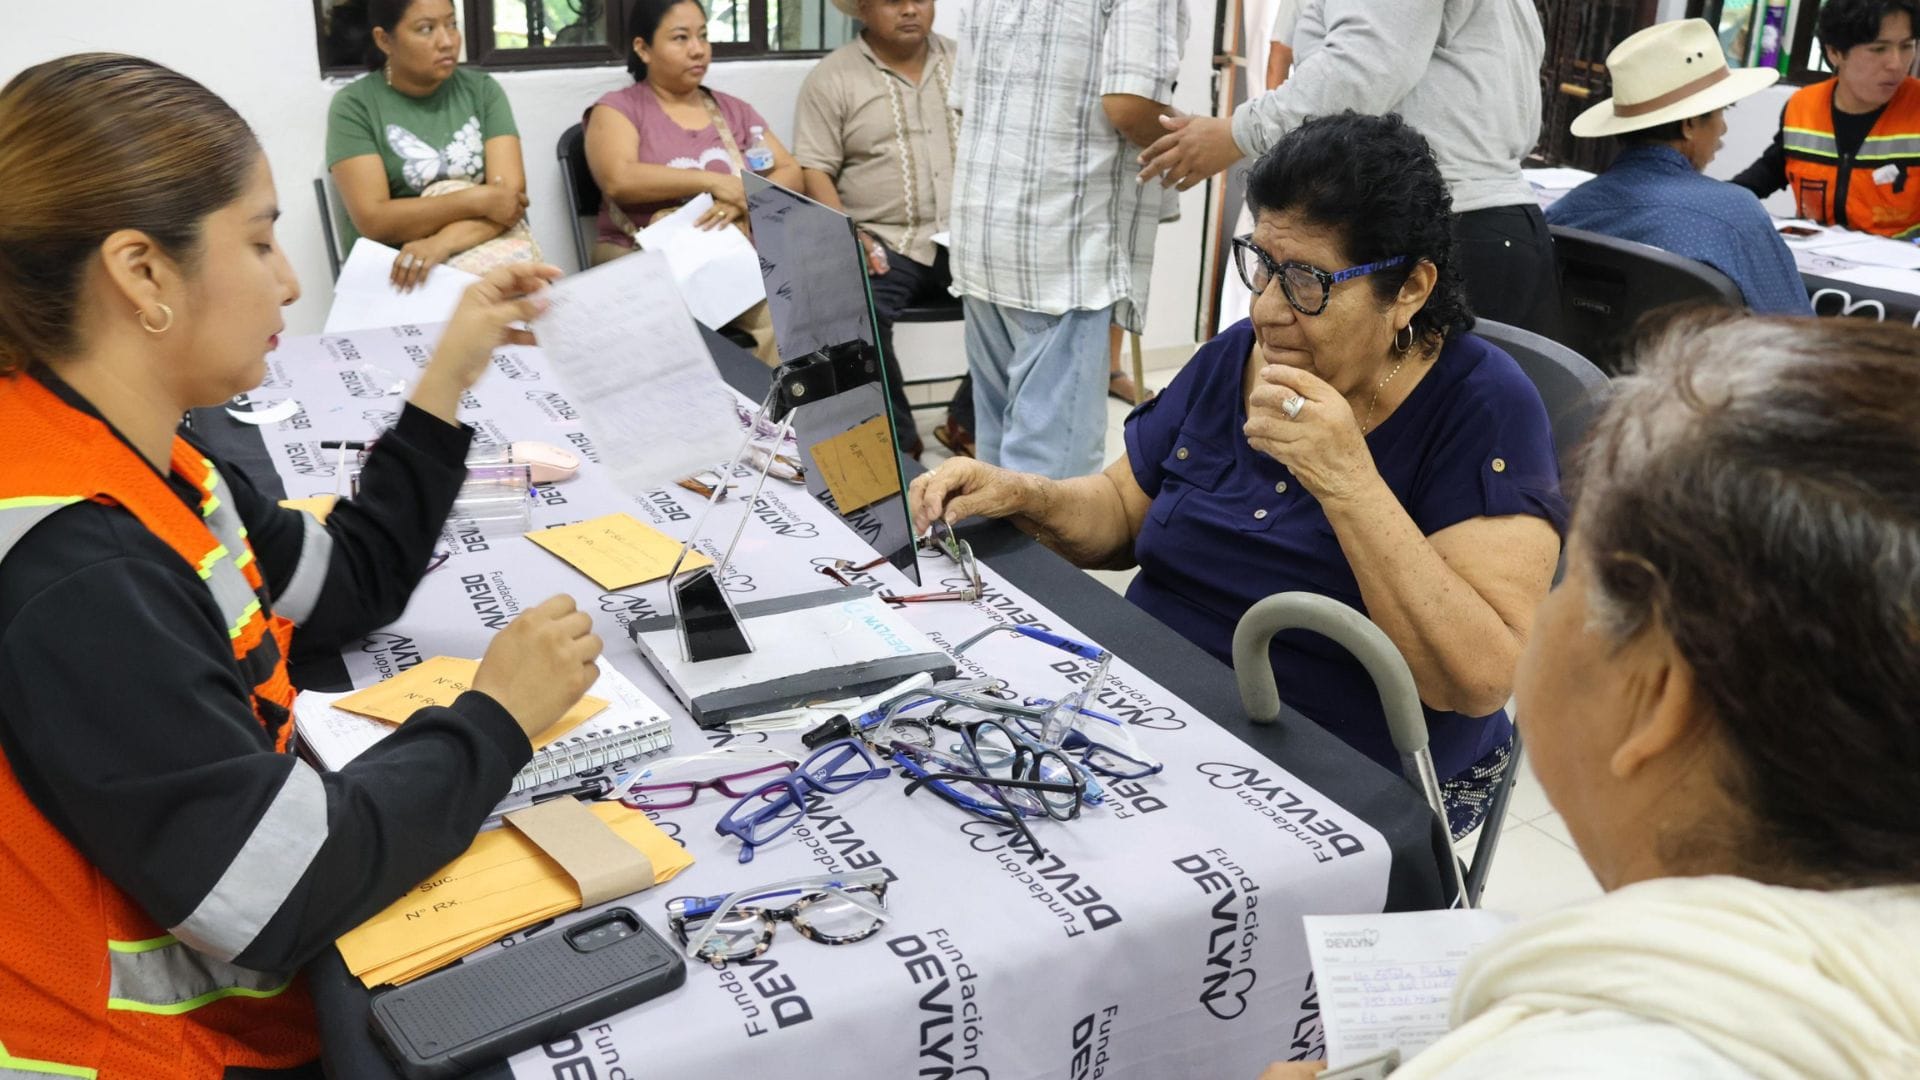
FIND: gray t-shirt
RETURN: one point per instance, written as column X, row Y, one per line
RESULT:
column 1464, row 73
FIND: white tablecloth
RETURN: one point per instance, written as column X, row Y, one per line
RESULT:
column 1158, row 937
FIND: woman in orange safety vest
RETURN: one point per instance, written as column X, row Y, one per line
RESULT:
column 166, row 867
column 1849, row 147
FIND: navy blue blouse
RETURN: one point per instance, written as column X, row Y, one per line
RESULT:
column 1229, row 525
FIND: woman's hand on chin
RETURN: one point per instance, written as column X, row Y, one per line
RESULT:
column 1320, row 443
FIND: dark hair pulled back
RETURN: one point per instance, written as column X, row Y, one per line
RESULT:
column 91, row 144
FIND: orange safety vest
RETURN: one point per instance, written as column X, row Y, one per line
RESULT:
column 90, row 985
column 1878, row 187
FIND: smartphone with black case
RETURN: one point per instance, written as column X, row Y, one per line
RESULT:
column 457, row 1020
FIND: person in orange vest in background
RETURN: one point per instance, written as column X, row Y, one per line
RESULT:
column 1849, row 146
column 166, row 867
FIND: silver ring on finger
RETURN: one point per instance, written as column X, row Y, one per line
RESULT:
column 1292, row 406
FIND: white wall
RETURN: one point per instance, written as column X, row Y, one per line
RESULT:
column 267, row 65
column 1751, row 125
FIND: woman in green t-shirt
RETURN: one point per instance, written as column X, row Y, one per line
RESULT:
column 418, row 120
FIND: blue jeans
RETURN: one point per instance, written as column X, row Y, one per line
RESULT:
column 1039, row 388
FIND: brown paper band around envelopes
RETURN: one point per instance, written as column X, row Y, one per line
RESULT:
column 593, row 855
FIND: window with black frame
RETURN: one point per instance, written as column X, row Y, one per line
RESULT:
column 588, row 33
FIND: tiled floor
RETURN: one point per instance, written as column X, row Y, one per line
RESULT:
column 1536, row 867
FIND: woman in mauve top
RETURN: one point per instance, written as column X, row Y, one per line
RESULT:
column 656, row 144
column 1352, row 439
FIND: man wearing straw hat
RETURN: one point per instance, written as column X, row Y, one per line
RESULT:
column 1671, row 87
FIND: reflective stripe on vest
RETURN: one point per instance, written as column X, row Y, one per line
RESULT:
column 225, row 568
column 163, row 975
column 18, row 1068
column 1817, row 143
column 18, row 516
column 1889, row 148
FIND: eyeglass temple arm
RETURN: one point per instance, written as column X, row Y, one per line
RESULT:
column 1014, row 817
column 1081, row 649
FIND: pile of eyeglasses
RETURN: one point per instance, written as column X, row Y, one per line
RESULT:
column 971, row 742
column 1008, row 761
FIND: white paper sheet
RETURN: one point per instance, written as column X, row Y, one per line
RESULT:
column 633, row 362
column 1386, row 981
column 364, row 297
column 1878, row 277
column 1556, row 179
column 717, row 270
column 1868, row 250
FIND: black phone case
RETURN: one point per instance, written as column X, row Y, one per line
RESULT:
column 457, row 1020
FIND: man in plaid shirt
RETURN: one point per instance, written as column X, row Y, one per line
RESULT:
column 1052, row 235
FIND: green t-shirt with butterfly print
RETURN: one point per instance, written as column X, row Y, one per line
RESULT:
column 420, row 140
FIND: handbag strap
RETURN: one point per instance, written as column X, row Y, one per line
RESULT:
column 726, row 132
column 619, row 217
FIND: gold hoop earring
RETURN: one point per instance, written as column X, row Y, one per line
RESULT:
column 161, row 329
column 1399, row 348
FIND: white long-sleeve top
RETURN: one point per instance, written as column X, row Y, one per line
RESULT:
column 1464, row 73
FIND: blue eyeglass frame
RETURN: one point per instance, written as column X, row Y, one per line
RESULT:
column 748, row 820
column 1327, row 278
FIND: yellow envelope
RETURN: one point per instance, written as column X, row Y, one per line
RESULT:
column 502, row 884
column 438, row 682
column 616, row 551
column 859, row 466
column 317, row 505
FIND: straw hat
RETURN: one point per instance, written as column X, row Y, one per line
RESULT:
column 1667, row 72
column 849, row 8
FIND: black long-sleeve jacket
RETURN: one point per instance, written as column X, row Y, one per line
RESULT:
column 129, row 725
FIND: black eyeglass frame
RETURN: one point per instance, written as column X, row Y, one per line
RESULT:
column 1277, row 271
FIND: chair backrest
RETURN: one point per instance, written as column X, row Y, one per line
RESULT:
column 322, row 194
column 583, row 195
column 1606, row 284
column 1570, row 385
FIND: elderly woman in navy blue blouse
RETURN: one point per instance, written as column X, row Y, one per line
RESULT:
column 1352, row 439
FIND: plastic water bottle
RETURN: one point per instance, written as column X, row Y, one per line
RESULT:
column 759, row 154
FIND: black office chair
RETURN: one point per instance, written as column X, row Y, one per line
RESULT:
column 323, row 194
column 1607, row 284
column 1572, row 388
column 583, row 195
column 933, row 310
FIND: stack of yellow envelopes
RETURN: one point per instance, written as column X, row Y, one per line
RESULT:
column 503, row 883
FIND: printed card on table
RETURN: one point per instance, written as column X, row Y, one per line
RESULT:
column 438, row 682
column 617, row 551
column 859, row 466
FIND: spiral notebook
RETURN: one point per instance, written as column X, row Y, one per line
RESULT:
column 632, row 726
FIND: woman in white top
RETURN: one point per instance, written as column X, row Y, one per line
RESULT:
column 1720, row 701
